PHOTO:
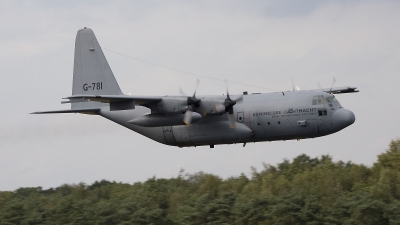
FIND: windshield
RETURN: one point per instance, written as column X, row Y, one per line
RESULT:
column 331, row 99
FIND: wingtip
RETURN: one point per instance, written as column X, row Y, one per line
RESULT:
column 34, row 113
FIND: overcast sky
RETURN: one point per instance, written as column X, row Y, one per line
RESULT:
column 261, row 43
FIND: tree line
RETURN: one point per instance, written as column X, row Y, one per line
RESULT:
column 304, row 190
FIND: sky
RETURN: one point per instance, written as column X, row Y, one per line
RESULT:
column 258, row 43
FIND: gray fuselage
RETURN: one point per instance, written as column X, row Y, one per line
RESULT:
column 259, row 117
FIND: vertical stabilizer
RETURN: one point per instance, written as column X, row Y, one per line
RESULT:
column 92, row 74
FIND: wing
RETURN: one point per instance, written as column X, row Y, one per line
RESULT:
column 92, row 111
column 338, row 90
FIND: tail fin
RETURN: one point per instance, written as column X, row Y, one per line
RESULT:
column 92, row 74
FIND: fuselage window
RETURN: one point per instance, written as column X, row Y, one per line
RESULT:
column 322, row 112
column 314, row 101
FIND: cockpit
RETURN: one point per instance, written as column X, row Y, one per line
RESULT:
column 323, row 102
column 320, row 100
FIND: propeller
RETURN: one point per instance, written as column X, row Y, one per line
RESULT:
column 227, row 106
column 333, row 84
column 192, row 102
column 295, row 88
column 319, row 85
column 187, row 119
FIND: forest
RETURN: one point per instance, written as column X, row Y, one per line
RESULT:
column 303, row 190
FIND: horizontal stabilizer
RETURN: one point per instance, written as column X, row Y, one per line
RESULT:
column 92, row 111
column 139, row 100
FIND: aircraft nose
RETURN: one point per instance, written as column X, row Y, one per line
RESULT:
column 343, row 118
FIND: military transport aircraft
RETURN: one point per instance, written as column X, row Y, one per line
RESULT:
column 185, row 121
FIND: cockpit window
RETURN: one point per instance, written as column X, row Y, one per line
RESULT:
column 318, row 100
column 314, row 101
column 331, row 99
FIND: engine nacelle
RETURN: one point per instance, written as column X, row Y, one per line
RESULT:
column 170, row 105
column 160, row 119
column 210, row 106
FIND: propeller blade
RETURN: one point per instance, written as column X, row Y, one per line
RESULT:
column 220, row 108
column 187, row 119
column 182, row 92
column 230, row 110
column 202, row 110
column 227, row 91
column 239, row 99
column 293, row 88
column 195, row 88
column 319, row 85
column 333, row 84
column 232, row 122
